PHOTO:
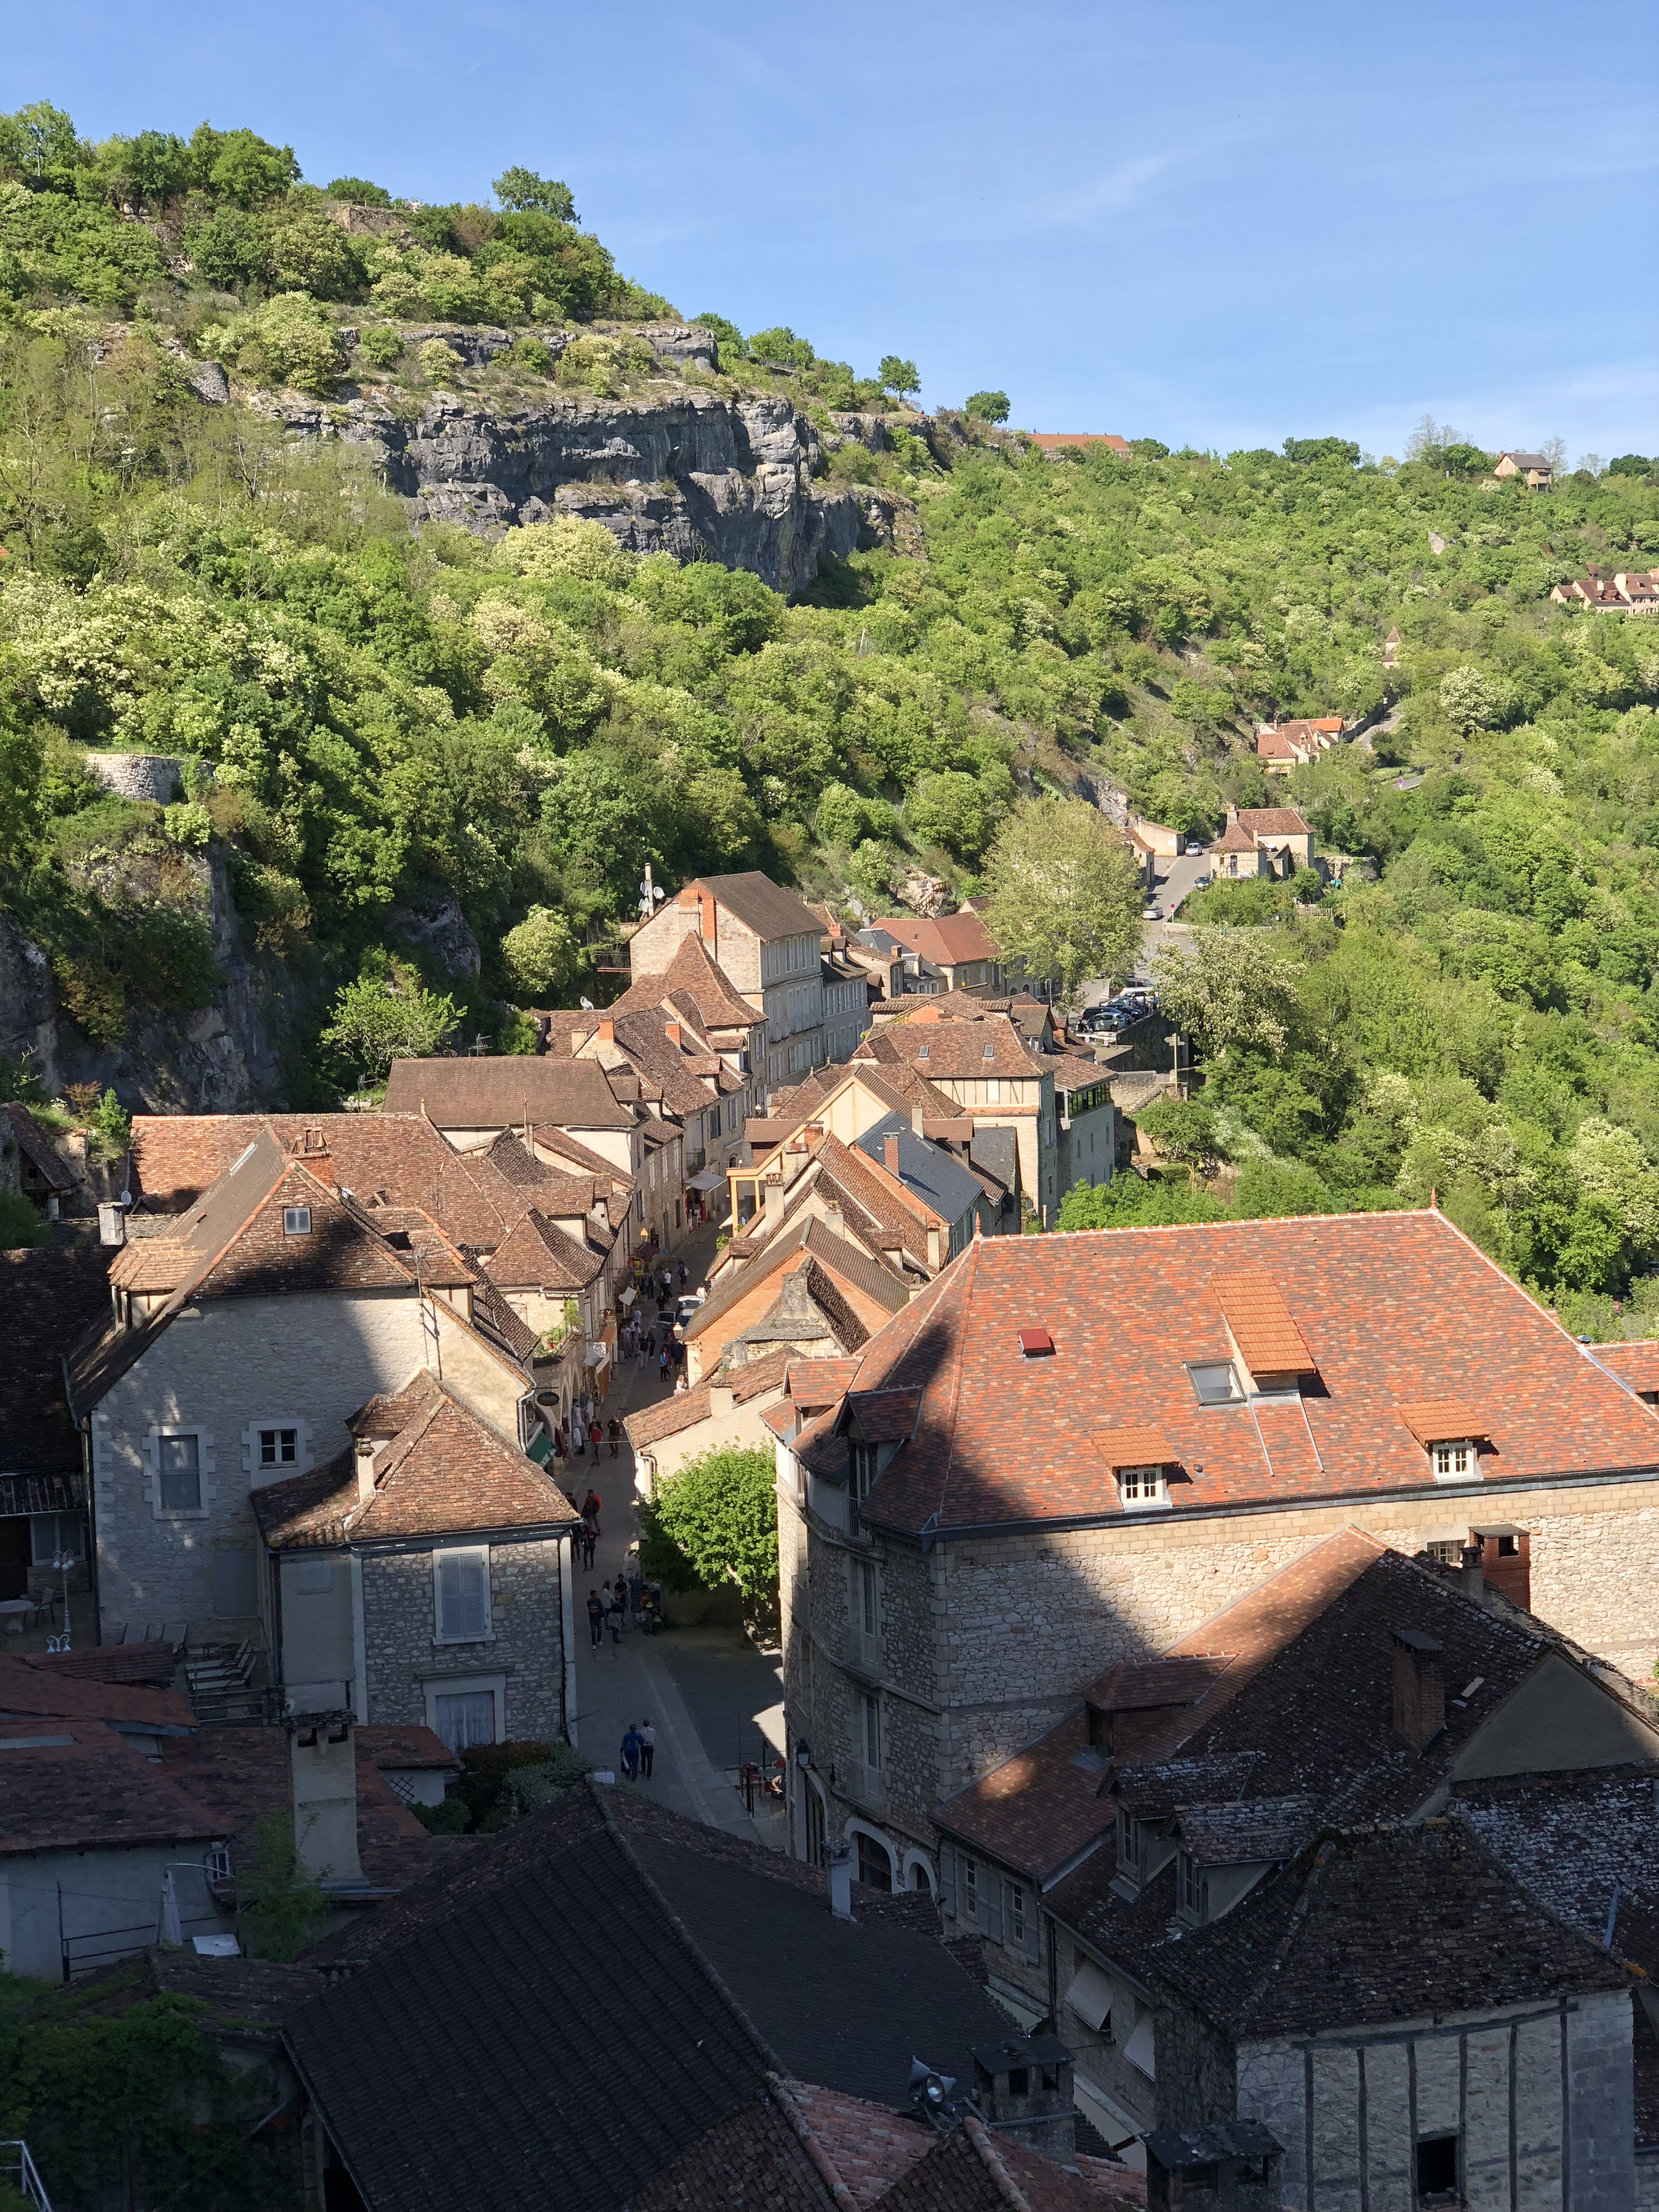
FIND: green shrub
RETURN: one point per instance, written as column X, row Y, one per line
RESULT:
column 986, row 406
column 289, row 341
column 381, row 346
column 484, row 1770
column 542, row 957
column 188, row 823
column 712, row 1521
column 450, row 1817
column 280, row 1907
column 437, row 361
column 20, row 1224
column 531, row 354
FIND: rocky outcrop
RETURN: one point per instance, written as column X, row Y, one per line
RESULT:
column 692, row 473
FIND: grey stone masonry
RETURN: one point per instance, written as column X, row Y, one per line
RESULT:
column 525, row 1647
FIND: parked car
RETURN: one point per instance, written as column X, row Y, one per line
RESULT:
column 1151, row 913
column 689, row 1300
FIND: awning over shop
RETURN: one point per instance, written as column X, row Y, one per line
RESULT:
column 707, row 1179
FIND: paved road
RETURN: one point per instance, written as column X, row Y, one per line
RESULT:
column 1176, row 880
column 703, row 1689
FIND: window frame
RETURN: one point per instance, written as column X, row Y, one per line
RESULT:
column 434, row 1686
column 476, row 1554
column 1462, row 1457
column 58, row 1521
column 872, row 1732
column 1193, row 1887
column 165, row 1432
column 1143, row 1486
column 296, row 1221
column 1234, row 1395
column 279, row 1457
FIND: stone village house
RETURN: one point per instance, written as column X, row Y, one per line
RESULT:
column 1349, row 1703
column 1066, row 1453
column 285, row 1333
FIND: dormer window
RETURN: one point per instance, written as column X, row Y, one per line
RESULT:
column 296, row 1221
column 1214, row 1381
column 1130, row 1856
column 1143, row 1486
column 1192, row 1888
column 861, row 1470
column 1455, row 1461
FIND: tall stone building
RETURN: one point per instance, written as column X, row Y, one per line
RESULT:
column 1066, row 1453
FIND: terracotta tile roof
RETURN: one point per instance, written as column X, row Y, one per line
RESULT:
column 506, row 1091
column 178, row 1157
column 1269, row 1342
column 409, row 1750
column 1235, row 838
column 49, row 1298
column 445, row 1473
column 77, row 1785
column 1318, row 1945
column 1128, row 1311
column 1636, row 1364
column 954, row 1051
column 696, row 988
column 1272, row 744
column 492, row 1317
column 1272, row 822
column 154, row 1664
column 951, row 940
column 820, row 1381
column 842, row 1258
column 684, row 1409
column 868, row 2145
column 1157, row 1685
column 36, row 1685
column 883, row 1417
column 149, row 1265
column 538, row 1255
column 1134, row 1447
column 1445, row 1418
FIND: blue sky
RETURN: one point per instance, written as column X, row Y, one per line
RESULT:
column 1214, row 224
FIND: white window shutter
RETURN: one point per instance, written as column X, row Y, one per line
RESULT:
column 463, row 1585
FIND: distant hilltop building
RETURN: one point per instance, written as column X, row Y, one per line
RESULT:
column 1055, row 441
column 1619, row 590
column 1282, row 746
column 1536, row 468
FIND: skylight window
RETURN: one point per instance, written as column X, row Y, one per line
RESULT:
column 1214, row 1381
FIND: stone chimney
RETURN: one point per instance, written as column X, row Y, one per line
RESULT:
column 671, row 1031
column 838, row 1869
column 1022, row 2088
column 889, row 1154
column 708, row 923
column 1473, row 1577
column 364, row 1458
column 771, row 1195
column 112, row 1224
column 1419, row 1695
column 323, row 1759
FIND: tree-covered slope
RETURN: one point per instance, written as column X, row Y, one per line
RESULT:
column 386, row 716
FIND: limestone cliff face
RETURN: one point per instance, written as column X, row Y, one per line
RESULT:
column 693, row 474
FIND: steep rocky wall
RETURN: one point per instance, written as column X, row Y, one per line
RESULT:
column 694, row 474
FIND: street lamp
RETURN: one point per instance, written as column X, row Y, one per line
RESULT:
column 803, row 1754
column 63, row 1562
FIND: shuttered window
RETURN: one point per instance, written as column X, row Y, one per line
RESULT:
column 462, row 1580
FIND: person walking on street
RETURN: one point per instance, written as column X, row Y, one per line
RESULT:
column 682, row 1275
column 613, row 1615
column 662, row 1364
column 635, row 1580
column 631, row 1748
column 595, row 1619
column 595, row 1433
column 615, row 1433
column 648, row 1746
column 619, row 1588
column 590, row 1508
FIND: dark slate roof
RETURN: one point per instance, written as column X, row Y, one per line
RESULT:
column 1363, row 1930
column 1585, row 1844
column 769, row 909
column 1247, row 1835
column 925, row 1168
column 849, row 2006
column 48, row 1298
column 560, row 2016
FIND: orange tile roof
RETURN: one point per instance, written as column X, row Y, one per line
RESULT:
column 1052, row 442
column 1272, row 822
column 949, row 940
column 1393, row 1308
column 1444, row 1420
column 1142, row 1447
column 1636, row 1364
column 1269, row 1342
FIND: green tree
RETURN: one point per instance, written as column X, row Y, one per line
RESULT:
column 897, row 375
column 1275, row 1188
column 543, row 956
column 521, row 191
column 1227, row 988
column 1065, row 894
column 714, row 1521
column 1184, row 1130
column 386, row 1016
column 280, row 1907
column 21, row 1223
column 357, row 191
column 949, row 809
column 986, row 406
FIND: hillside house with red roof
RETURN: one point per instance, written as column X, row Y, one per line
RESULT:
column 1283, row 746
column 1262, row 840
column 1068, row 1452
column 1054, row 444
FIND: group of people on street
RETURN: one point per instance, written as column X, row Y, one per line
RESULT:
column 639, row 1749
column 630, row 1597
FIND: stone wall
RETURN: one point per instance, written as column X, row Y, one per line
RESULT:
column 526, row 1643
column 221, row 1369
column 156, row 777
column 1497, row 2078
